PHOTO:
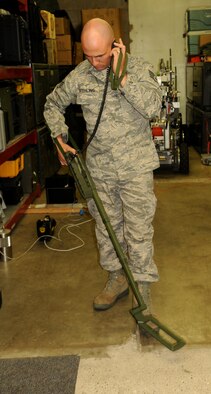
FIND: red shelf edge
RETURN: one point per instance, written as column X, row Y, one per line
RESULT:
column 16, row 72
column 22, row 142
column 19, row 213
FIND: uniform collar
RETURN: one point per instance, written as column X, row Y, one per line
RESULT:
column 101, row 75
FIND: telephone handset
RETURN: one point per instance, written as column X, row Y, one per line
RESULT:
column 112, row 45
column 115, row 78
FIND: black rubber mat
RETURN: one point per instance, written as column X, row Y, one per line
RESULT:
column 40, row 375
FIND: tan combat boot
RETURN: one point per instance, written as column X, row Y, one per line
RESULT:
column 115, row 288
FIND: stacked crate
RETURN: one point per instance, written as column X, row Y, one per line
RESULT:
column 48, row 24
column 63, row 41
column 198, row 31
column 78, row 53
column 111, row 15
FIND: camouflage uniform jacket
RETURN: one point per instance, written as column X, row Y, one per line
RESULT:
column 123, row 143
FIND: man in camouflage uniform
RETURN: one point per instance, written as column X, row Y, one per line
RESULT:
column 121, row 157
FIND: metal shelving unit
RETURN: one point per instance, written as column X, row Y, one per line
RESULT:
column 14, row 213
column 18, row 144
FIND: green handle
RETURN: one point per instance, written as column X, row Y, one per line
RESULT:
column 114, row 78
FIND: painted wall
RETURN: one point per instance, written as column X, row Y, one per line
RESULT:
column 157, row 26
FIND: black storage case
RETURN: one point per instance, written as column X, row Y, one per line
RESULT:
column 40, row 89
column 38, row 54
column 45, row 78
column 198, row 84
column 60, row 189
column 14, row 43
column 9, row 104
column 48, row 162
column 25, row 104
column 199, row 124
column 12, row 189
column 30, row 171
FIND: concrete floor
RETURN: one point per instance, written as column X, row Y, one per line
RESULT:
column 47, row 296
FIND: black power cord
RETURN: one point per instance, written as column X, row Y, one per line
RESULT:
column 100, row 111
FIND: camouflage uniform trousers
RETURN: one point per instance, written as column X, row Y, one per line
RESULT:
column 130, row 206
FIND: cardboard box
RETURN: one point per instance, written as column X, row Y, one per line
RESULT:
column 62, row 26
column 64, row 42
column 111, row 15
column 51, row 50
column 64, row 57
column 78, row 53
column 49, row 19
column 204, row 39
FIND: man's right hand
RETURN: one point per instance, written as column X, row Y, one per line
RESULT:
column 66, row 148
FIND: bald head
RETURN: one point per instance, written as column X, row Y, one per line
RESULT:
column 97, row 35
